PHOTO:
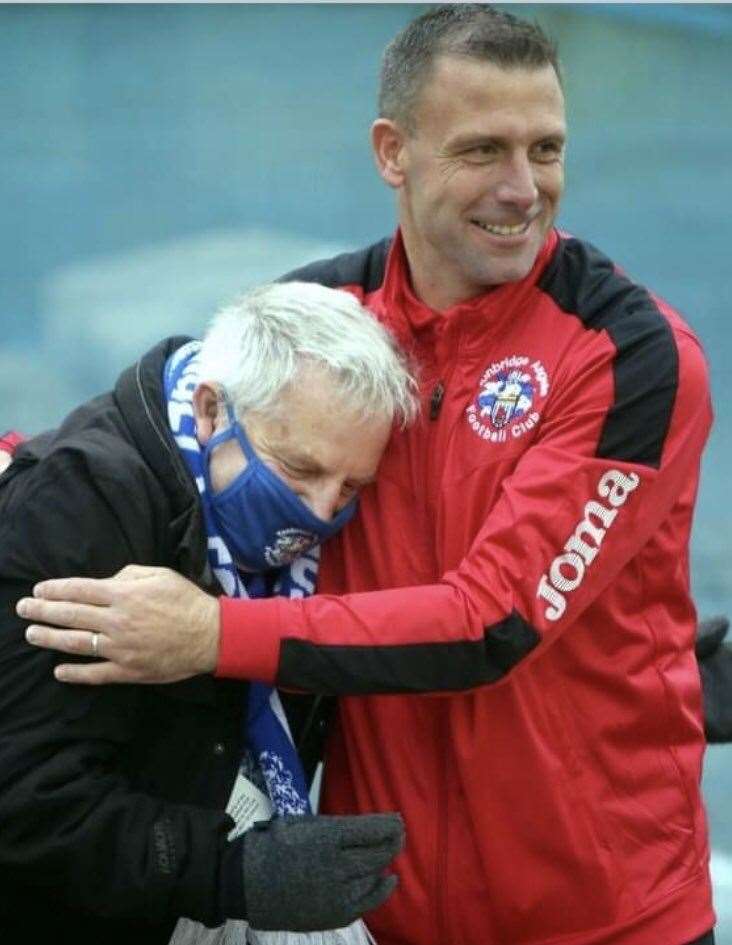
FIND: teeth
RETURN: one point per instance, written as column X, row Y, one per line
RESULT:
column 502, row 230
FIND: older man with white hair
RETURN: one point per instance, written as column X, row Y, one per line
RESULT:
column 123, row 809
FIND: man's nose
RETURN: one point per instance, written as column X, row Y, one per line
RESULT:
column 325, row 501
column 518, row 185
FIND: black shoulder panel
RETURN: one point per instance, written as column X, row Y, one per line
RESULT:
column 412, row 667
column 584, row 283
column 365, row 267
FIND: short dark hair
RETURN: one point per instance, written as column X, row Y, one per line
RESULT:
column 473, row 30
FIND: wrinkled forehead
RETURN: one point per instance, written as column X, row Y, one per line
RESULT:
column 317, row 435
column 459, row 86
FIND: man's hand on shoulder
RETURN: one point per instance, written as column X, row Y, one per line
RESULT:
column 153, row 626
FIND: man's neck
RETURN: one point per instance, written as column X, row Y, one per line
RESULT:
column 430, row 283
column 437, row 293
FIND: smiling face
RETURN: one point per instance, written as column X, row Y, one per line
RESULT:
column 323, row 449
column 479, row 178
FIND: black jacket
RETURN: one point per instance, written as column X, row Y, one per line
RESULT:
column 112, row 798
column 715, row 666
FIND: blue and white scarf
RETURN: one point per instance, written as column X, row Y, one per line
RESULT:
column 270, row 758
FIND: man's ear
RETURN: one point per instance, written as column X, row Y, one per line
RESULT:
column 206, row 410
column 387, row 141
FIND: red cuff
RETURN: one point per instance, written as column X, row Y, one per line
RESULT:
column 10, row 440
column 249, row 638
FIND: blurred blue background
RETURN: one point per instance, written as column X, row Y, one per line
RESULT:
column 157, row 159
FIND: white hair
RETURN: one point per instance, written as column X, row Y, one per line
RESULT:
column 256, row 346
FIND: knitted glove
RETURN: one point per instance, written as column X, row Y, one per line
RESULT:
column 715, row 666
column 306, row 873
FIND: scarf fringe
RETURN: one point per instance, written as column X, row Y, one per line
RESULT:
column 354, row 934
column 188, row 932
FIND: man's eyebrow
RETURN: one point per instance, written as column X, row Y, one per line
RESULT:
column 472, row 141
column 468, row 140
column 560, row 136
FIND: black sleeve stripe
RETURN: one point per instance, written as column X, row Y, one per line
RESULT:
column 413, row 667
column 583, row 282
column 366, row 268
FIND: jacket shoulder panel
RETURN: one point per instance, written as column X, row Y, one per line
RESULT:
column 364, row 268
column 584, row 283
column 89, row 506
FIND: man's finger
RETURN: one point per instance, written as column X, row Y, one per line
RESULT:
column 94, row 674
column 78, row 642
column 369, row 830
column 374, row 893
column 137, row 572
column 99, row 591
column 62, row 614
column 362, row 862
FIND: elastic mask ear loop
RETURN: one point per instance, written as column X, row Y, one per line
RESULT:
column 234, row 431
column 239, row 432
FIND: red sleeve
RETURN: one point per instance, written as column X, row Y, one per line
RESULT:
column 582, row 502
column 10, row 441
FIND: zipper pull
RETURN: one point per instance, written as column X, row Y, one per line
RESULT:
column 436, row 400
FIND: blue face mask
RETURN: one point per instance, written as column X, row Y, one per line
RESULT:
column 262, row 521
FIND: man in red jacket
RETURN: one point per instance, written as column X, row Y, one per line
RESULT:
column 509, row 618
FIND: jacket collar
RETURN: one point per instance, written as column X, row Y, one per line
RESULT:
column 141, row 401
column 410, row 317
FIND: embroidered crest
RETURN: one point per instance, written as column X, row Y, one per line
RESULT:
column 289, row 544
column 508, row 399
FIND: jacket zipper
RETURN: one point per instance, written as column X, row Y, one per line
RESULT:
column 309, row 722
column 436, row 398
column 442, row 895
column 442, row 906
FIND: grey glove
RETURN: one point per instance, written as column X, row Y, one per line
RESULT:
column 307, row 873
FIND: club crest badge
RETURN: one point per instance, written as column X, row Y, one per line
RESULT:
column 289, row 544
column 509, row 398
